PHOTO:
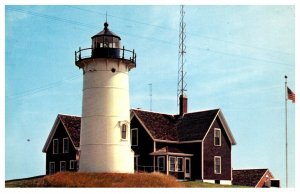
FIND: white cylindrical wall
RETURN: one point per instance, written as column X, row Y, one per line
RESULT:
column 105, row 107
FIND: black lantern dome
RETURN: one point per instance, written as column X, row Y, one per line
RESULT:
column 106, row 44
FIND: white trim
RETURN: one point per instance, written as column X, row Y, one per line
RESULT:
column 49, row 167
column 154, row 149
column 210, row 125
column 215, row 157
column 65, row 138
column 60, row 162
column 51, row 134
column 220, row 136
column 202, row 158
column 174, row 164
column 164, row 161
column 182, row 164
column 137, row 139
column 190, row 168
column 126, row 130
column 53, row 130
column 74, row 162
column 177, row 142
column 209, row 181
column 144, row 126
column 167, row 164
column 263, row 176
column 57, row 150
column 226, row 128
column 225, row 182
column 171, row 154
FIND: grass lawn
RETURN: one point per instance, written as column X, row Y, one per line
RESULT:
column 199, row 184
column 112, row 180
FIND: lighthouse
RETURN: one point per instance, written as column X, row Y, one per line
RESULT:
column 105, row 124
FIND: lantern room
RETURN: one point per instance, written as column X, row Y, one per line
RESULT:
column 106, row 44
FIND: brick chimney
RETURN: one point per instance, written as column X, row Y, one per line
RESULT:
column 183, row 104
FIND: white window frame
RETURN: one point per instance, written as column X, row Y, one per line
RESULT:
column 164, row 161
column 174, row 164
column 126, row 131
column 215, row 164
column 220, row 134
column 53, row 167
column 67, row 151
column 177, row 169
column 137, row 139
column 53, row 150
column 72, row 164
column 61, row 165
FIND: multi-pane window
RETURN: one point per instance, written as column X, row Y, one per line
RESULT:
column 55, row 146
column 62, row 166
column 179, row 164
column 217, row 137
column 217, row 164
column 134, row 137
column 66, row 145
column 72, row 164
column 51, row 167
column 172, row 163
column 161, row 163
column 124, row 131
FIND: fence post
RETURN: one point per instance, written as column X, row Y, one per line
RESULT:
column 123, row 53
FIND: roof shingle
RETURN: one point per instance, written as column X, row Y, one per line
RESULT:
column 247, row 177
column 72, row 125
column 189, row 127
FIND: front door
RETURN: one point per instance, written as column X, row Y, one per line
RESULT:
column 187, row 168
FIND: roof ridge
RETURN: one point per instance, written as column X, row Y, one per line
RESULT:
column 135, row 109
column 252, row 169
column 61, row 114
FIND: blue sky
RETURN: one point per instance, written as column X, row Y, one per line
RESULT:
column 236, row 60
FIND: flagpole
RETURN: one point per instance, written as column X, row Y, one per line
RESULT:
column 286, row 139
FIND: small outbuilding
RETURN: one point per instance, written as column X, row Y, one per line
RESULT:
column 257, row 178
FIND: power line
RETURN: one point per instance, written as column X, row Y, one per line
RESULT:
column 34, row 91
column 54, row 18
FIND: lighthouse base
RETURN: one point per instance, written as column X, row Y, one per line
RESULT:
column 111, row 158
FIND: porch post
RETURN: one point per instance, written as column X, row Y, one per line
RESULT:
column 167, row 163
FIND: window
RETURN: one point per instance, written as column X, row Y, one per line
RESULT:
column 72, row 164
column 217, row 164
column 66, row 145
column 172, row 163
column 217, row 137
column 136, row 163
column 134, row 137
column 179, row 164
column 124, row 131
column 62, row 166
column 51, row 167
column 161, row 163
column 55, row 146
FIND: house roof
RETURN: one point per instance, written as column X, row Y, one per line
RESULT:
column 189, row 127
column 72, row 126
column 248, row 177
column 169, row 150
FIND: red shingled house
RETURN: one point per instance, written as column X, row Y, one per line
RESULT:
column 194, row 146
column 62, row 144
column 189, row 146
column 257, row 178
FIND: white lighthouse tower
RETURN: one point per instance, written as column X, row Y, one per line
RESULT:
column 105, row 135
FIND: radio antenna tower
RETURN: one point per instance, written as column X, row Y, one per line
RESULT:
column 181, row 84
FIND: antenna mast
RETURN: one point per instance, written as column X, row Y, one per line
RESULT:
column 181, row 84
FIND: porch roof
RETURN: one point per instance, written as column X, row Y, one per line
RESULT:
column 169, row 151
